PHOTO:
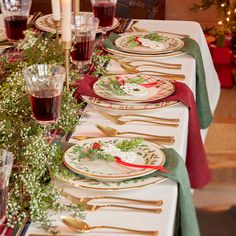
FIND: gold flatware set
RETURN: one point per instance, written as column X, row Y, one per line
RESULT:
column 117, row 119
column 80, row 226
column 147, row 63
column 88, row 199
column 94, row 207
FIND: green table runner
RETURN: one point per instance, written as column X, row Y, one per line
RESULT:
column 186, row 221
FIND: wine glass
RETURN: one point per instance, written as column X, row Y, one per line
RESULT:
column 84, row 28
column 104, row 10
column 45, row 85
column 15, row 14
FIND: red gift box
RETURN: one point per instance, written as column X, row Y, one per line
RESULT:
column 220, row 55
column 225, row 75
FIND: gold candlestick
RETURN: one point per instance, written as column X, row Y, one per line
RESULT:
column 67, row 46
column 57, row 24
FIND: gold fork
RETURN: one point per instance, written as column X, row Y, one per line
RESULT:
column 147, row 63
column 138, row 115
column 90, row 207
column 134, row 70
column 116, row 119
column 88, row 199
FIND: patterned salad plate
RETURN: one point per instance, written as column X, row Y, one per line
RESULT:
column 45, row 23
column 134, row 88
column 166, row 43
column 146, row 153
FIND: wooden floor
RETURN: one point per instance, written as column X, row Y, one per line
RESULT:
column 216, row 203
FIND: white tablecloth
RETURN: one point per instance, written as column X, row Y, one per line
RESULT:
column 167, row 190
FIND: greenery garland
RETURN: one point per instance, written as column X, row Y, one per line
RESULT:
column 31, row 192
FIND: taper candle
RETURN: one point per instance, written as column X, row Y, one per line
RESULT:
column 66, row 10
column 56, row 10
column 76, row 7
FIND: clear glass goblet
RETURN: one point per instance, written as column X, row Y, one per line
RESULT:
column 45, row 85
column 15, row 14
column 84, row 28
column 104, row 10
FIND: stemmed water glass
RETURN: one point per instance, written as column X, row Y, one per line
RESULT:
column 45, row 85
column 15, row 13
column 104, row 10
column 84, row 28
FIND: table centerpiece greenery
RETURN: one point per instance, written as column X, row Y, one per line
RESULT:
column 31, row 191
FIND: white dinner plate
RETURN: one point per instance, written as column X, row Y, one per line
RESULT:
column 93, row 184
column 146, row 153
column 126, row 106
column 133, row 55
column 146, row 89
column 45, row 23
column 169, row 43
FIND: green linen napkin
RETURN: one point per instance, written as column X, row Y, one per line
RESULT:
column 204, row 111
column 191, row 48
column 186, row 220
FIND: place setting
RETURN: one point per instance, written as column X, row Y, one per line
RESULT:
column 104, row 92
column 46, row 23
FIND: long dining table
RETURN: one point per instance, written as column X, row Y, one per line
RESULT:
column 166, row 190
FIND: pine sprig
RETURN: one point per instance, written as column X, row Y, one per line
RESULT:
column 129, row 144
column 91, row 153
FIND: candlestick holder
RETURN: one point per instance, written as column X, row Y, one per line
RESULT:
column 57, row 24
column 67, row 47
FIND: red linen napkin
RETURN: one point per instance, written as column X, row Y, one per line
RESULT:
column 5, row 231
column 196, row 162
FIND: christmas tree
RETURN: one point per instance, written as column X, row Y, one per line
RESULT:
column 226, row 13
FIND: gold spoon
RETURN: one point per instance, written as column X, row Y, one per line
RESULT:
column 82, row 227
column 113, row 132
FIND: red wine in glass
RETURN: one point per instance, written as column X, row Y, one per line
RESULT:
column 15, row 25
column 46, row 105
column 82, row 50
column 105, row 12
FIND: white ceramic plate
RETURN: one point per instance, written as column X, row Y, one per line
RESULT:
column 150, row 89
column 169, row 42
column 45, row 23
column 130, row 184
column 145, row 154
column 133, row 55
